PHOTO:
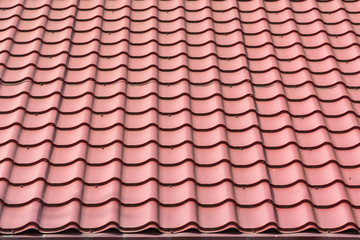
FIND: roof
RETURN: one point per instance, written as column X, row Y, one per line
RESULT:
column 177, row 115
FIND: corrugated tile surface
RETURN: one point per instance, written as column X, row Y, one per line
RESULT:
column 179, row 114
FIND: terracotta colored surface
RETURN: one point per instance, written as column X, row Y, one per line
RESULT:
column 184, row 236
column 179, row 114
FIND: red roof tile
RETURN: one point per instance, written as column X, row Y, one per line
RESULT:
column 179, row 114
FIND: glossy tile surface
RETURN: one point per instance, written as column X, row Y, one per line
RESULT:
column 179, row 114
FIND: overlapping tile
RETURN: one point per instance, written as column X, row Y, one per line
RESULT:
column 179, row 114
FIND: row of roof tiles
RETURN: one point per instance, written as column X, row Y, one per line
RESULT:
column 299, row 6
column 180, row 13
column 181, row 62
column 183, row 103
column 175, row 91
column 172, row 156
column 137, row 122
column 284, row 176
column 153, row 215
column 212, row 75
column 218, row 134
column 39, row 50
column 251, row 28
column 344, row 37
column 168, row 194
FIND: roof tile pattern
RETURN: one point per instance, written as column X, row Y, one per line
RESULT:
column 179, row 114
